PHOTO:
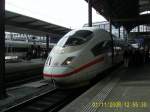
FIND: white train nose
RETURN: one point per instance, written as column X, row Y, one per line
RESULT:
column 60, row 75
column 57, row 72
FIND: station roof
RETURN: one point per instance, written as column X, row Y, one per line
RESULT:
column 125, row 13
column 23, row 24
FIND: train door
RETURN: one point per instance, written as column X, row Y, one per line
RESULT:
column 98, row 52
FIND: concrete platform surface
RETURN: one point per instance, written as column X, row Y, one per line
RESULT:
column 126, row 90
column 21, row 93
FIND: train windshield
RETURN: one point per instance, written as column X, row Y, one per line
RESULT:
column 75, row 38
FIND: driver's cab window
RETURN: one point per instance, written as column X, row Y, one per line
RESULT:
column 76, row 38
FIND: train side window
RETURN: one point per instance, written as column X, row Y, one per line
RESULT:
column 101, row 47
column 98, row 49
column 108, row 44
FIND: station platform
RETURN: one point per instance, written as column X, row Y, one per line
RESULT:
column 23, row 65
column 24, row 92
column 125, row 90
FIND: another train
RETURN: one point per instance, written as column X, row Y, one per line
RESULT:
column 80, row 55
column 21, row 48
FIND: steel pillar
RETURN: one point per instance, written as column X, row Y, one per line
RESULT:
column 90, row 13
column 2, row 49
column 119, row 31
column 139, row 28
column 124, row 33
column 47, row 44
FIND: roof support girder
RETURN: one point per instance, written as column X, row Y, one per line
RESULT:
column 28, row 26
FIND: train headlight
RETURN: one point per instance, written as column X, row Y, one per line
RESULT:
column 68, row 61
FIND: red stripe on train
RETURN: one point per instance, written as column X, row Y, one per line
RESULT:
column 77, row 69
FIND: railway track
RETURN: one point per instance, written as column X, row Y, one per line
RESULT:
column 50, row 101
column 23, row 76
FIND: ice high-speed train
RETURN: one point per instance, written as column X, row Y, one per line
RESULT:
column 80, row 55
